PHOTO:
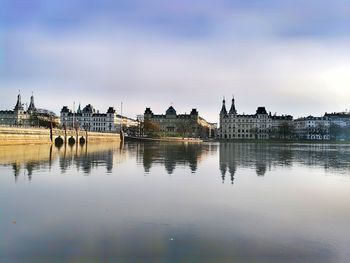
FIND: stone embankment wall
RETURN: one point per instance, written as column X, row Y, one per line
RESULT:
column 19, row 135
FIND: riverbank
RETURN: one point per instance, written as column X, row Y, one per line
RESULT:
column 284, row 141
column 24, row 136
column 164, row 139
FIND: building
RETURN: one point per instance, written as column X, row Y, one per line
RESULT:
column 31, row 116
column 92, row 120
column 282, row 127
column 312, row 128
column 243, row 126
column 341, row 119
column 339, row 125
column 260, row 125
column 172, row 124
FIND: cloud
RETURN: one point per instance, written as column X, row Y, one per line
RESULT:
column 188, row 53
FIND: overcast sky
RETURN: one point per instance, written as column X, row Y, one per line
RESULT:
column 291, row 56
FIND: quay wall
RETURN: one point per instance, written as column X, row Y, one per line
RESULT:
column 20, row 135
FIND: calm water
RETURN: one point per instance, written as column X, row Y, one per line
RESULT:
column 152, row 202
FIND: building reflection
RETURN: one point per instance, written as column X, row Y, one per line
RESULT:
column 172, row 155
column 86, row 158
column 26, row 160
column 263, row 157
column 234, row 158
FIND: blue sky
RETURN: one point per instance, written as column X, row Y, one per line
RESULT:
column 290, row 56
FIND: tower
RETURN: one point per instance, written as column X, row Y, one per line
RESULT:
column 19, row 106
column 233, row 108
column 19, row 113
column 31, row 107
column 223, row 111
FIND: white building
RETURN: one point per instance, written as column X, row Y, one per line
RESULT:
column 243, row 126
column 312, row 128
column 92, row 120
column 30, row 116
column 260, row 125
column 341, row 119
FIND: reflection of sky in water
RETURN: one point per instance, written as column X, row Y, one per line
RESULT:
column 167, row 203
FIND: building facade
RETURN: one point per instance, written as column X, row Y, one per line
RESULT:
column 171, row 123
column 282, row 127
column 341, row 119
column 92, row 120
column 312, row 128
column 30, row 116
column 260, row 125
column 243, row 126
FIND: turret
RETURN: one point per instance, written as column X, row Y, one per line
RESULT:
column 79, row 109
column 233, row 108
column 31, row 107
column 148, row 113
column 223, row 111
column 19, row 105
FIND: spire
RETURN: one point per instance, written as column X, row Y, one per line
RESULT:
column 79, row 109
column 223, row 109
column 233, row 108
column 19, row 105
column 31, row 105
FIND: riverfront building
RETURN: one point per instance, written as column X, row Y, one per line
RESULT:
column 260, row 125
column 92, row 120
column 171, row 123
column 30, row 116
column 312, row 128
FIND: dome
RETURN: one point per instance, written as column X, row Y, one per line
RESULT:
column 171, row 111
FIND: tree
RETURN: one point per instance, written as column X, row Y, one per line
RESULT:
column 335, row 131
column 42, row 120
column 150, row 126
column 184, row 128
column 285, row 130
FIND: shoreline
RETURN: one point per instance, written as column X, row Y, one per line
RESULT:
column 165, row 139
column 37, row 135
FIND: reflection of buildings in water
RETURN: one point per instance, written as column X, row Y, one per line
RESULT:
column 235, row 155
column 172, row 155
column 263, row 156
column 89, row 157
column 25, row 160
column 328, row 156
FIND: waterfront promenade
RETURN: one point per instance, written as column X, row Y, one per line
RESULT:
column 35, row 135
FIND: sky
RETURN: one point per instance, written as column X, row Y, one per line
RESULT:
column 292, row 57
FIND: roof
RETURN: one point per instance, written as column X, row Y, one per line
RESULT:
column 111, row 110
column 148, row 111
column 88, row 108
column 312, row 118
column 170, row 111
column 282, row 117
column 261, row 110
column 223, row 108
column 65, row 109
column 345, row 115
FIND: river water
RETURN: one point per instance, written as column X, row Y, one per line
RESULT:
column 164, row 202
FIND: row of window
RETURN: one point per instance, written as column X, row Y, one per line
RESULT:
column 245, row 121
column 242, row 136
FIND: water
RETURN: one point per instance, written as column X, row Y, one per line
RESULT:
column 162, row 202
